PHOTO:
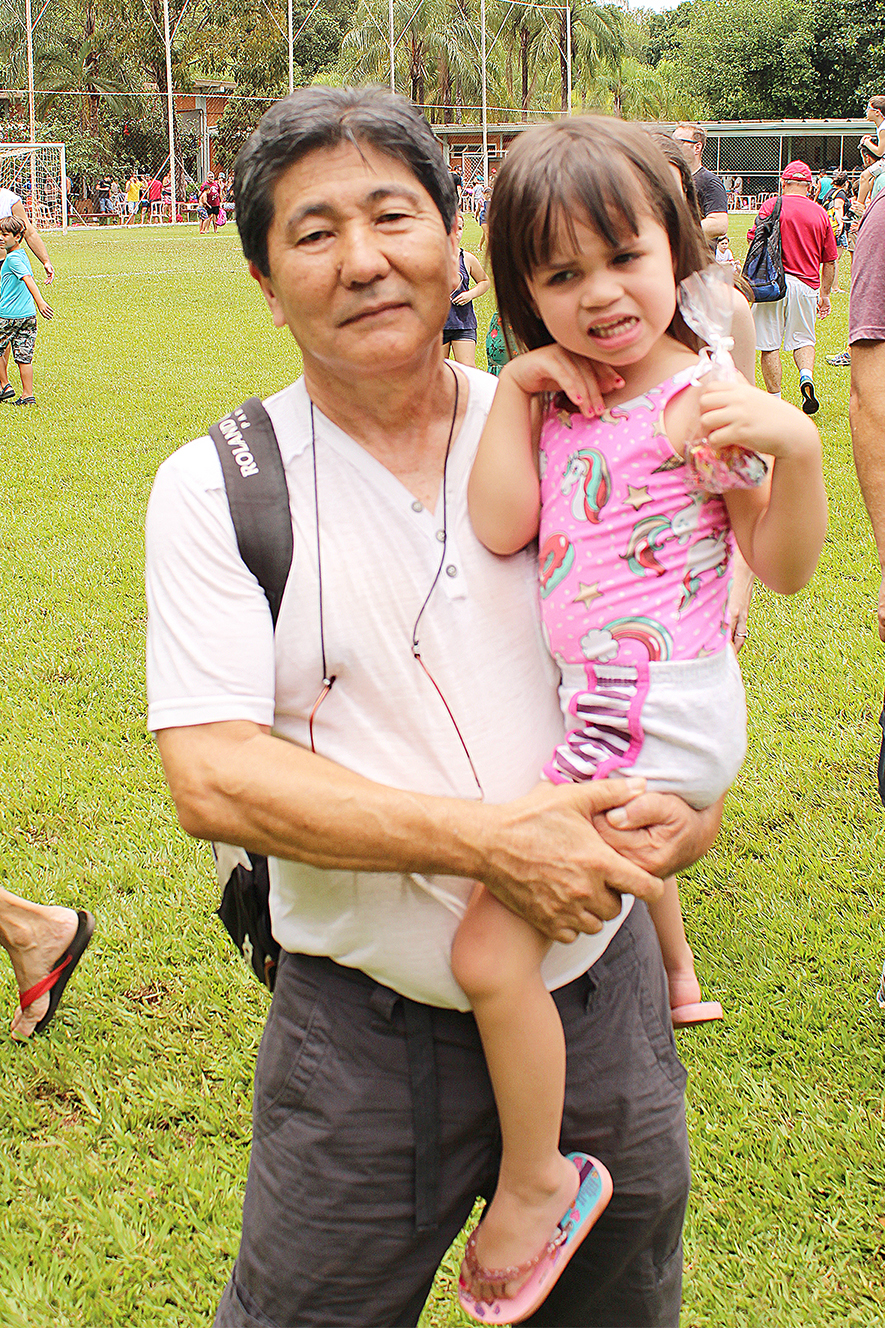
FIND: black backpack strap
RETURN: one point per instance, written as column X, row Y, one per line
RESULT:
column 258, row 496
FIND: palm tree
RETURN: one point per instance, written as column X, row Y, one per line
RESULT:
column 598, row 39
column 89, row 54
column 365, row 51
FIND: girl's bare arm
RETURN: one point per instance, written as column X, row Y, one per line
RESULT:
column 780, row 532
column 504, row 495
column 477, row 272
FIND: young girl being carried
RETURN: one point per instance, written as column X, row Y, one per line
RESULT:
column 589, row 239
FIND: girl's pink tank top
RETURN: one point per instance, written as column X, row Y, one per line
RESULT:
column 634, row 565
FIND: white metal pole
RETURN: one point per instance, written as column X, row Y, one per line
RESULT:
column 30, row 34
column 29, row 27
column 291, row 51
column 391, row 43
column 170, row 105
column 485, row 109
column 64, row 192
column 568, row 58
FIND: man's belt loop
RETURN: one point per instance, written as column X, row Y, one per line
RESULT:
column 425, row 1112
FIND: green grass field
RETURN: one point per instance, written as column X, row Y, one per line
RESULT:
column 125, row 1131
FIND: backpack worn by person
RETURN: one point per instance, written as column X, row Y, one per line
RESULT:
column 764, row 264
column 258, row 496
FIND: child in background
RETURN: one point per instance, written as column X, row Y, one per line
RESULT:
column 589, row 240
column 724, row 255
column 460, row 331
column 19, row 301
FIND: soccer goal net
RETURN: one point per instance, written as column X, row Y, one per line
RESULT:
column 36, row 172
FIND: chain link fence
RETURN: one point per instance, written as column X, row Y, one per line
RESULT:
column 750, row 164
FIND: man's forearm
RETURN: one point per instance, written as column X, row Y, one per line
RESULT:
column 715, row 224
column 36, row 245
column 827, row 276
column 277, row 799
column 540, row 854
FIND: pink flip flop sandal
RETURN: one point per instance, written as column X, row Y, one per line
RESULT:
column 701, row 1012
column 594, row 1192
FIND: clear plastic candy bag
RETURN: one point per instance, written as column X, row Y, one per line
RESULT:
column 705, row 300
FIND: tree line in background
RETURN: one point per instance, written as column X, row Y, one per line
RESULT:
column 705, row 59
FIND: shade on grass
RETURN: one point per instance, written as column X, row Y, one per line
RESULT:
column 125, row 1131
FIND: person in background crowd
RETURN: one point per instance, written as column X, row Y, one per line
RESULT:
column 103, row 194
column 712, row 198
column 809, row 254
column 155, row 200
column 133, row 194
column 460, row 331
column 483, row 217
column 479, row 189
column 210, row 205
column 723, row 254
column 872, row 149
column 117, row 201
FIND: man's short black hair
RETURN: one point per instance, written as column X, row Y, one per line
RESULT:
column 321, row 117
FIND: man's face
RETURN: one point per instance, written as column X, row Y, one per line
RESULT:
column 361, row 265
column 872, row 114
column 691, row 149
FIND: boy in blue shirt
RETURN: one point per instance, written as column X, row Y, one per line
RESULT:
column 19, row 301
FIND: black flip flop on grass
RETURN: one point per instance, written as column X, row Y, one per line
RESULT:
column 57, row 978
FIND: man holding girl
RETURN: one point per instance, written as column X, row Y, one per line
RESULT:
column 383, row 747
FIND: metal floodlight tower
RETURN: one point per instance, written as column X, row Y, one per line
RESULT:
column 485, row 107
column 29, row 28
column 291, row 48
column 564, row 8
column 568, row 57
column 170, row 102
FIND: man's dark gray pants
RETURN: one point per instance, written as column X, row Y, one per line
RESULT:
column 330, row 1238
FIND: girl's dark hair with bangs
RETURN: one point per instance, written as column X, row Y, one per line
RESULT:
column 586, row 167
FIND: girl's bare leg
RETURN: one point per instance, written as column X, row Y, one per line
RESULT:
column 496, row 959
column 464, row 352
column 666, row 914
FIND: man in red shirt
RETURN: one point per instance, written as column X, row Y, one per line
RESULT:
column 809, row 252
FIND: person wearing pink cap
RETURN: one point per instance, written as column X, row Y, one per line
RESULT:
column 874, row 154
column 809, row 254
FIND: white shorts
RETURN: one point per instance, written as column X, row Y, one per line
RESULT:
column 693, row 718
column 788, row 322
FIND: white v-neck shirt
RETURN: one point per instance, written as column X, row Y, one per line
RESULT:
column 213, row 655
